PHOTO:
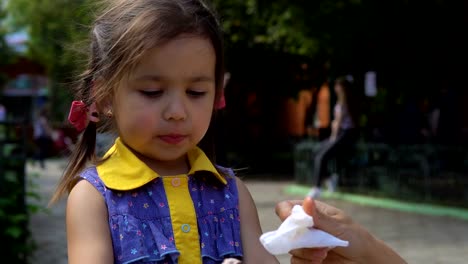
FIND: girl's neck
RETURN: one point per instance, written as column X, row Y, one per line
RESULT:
column 167, row 168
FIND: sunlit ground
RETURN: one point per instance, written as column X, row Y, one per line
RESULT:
column 418, row 238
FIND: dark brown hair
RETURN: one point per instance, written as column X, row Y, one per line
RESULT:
column 120, row 36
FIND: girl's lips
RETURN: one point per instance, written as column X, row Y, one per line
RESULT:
column 172, row 138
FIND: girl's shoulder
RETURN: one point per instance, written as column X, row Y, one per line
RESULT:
column 230, row 174
column 226, row 171
column 91, row 175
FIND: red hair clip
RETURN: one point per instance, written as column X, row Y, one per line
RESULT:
column 79, row 116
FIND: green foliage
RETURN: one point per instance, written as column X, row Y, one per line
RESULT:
column 52, row 25
column 56, row 28
column 279, row 37
column 19, row 199
column 275, row 25
column 349, row 35
column 14, row 217
column 307, row 28
column 6, row 55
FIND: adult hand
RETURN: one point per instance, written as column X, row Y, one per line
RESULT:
column 363, row 247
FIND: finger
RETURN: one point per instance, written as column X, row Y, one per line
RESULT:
column 295, row 260
column 283, row 209
column 334, row 258
column 309, row 206
column 314, row 257
column 310, row 253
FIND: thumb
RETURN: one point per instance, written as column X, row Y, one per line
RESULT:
column 309, row 206
column 329, row 218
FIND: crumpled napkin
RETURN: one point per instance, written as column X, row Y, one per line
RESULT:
column 231, row 261
column 297, row 232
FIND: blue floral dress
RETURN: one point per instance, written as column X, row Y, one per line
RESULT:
column 191, row 218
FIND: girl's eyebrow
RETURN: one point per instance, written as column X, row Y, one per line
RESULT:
column 159, row 78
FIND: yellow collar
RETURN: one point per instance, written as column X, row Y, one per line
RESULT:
column 123, row 171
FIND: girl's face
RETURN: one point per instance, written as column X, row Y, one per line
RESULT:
column 165, row 107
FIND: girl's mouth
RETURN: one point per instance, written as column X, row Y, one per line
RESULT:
column 173, row 139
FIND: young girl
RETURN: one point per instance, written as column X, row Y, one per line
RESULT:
column 155, row 75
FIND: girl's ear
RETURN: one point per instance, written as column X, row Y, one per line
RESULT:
column 221, row 102
column 106, row 107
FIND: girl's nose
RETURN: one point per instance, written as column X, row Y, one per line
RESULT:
column 175, row 109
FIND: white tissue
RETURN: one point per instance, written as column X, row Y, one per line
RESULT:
column 297, row 232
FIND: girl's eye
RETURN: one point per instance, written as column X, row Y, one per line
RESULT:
column 154, row 93
column 195, row 93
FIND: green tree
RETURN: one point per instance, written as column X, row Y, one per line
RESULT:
column 300, row 27
column 6, row 54
column 54, row 28
column 279, row 27
column 352, row 35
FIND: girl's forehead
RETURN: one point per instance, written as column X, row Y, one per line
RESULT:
column 182, row 56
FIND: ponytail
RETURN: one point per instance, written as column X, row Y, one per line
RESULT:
column 83, row 153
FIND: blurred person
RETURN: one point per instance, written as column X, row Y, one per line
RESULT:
column 364, row 248
column 3, row 113
column 62, row 143
column 344, row 134
column 42, row 135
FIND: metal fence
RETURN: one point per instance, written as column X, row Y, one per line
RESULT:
column 417, row 172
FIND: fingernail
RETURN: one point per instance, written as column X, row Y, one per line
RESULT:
column 308, row 205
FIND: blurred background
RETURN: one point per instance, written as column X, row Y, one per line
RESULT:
column 407, row 61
